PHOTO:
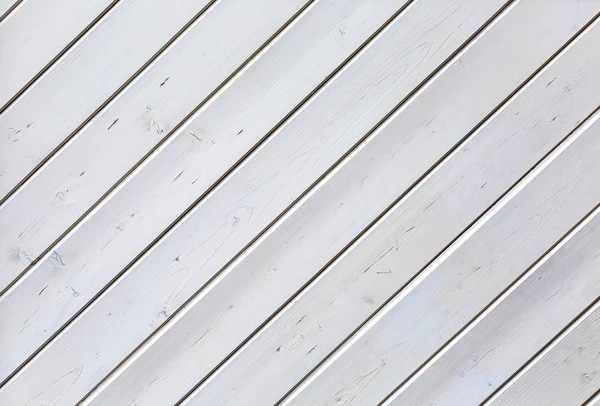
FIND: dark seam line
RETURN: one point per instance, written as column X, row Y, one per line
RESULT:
column 356, row 145
column 557, row 335
column 58, row 149
column 504, row 290
column 110, row 98
column 10, row 10
column 589, row 400
column 159, row 237
column 400, row 198
column 55, row 58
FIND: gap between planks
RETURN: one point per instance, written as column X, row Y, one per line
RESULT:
column 250, row 153
column 556, row 340
column 593, row 400
column 10, row 10
column 130, row 174
column 346, row 342
column 512, row 287
column 385, row 118
column 150, row 154
column 43, row 162
column 157, row 150
column 521, row 184
column 48, row 65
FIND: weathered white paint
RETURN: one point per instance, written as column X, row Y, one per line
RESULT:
column 262, row 280
column 81, row 81
column 78, row 176
column 6, row 5
column 305, row 331
column 454, row 289
column 518, row 325
column 124, row 132
column 231, row 210
column 337, row 303
column 311, row 156
column 205, row 147
column 566, row 373
column 35, row 33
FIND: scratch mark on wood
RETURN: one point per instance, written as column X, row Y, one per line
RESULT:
column 114, row 122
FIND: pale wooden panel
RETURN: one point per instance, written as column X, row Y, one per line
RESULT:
column 418, row 228
column 235, row 304
column 518, row 325
column 329, row 310
column 6, row 5
column 280, row 78
column 35, row 33
column 594, row 401
column 450, row 292
column 81, row 81
column 566, row 373
column 310, row 155
column 188, row 72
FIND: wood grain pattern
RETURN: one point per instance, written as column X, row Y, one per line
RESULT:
column 288, row 145
column 122, row 134
column 456, row 287
column 423, row 224
column 279, row 79
column 31, row 38
column 81, row 81
column 299, row 202
column 518, row 325
column 305, row 331
column 566, row 373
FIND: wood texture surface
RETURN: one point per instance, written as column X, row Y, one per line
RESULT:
column 299, row 202
column 566, row 373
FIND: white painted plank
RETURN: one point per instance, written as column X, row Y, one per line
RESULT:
column 32, row 36
column 6, row 5
column 351, row 289
column 564, row 374
column 517, row 325
column 310, row 155
column 82, row 80
column 125, row 131
column 451, row 291
column 594, row 401
column 258, row 283
column 260, row 97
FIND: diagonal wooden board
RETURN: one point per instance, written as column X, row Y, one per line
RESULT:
column 563, row 374
column 83, row 79
column 521, row 322
column 130, row 127
column 454, row 289
column 31, row 38
column 285, row 72
column 353, row 287
column 249, row 285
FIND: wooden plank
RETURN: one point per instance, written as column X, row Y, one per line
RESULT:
column 7, row 6
column 594, row 400
column 82, row 80
column 254, row 102
column 566, row 373
column 292, row 144
column 258, row 283
column 131, row 126
column 31, row 37
column 398, row 247
column 451, row 291
column 517, row 325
